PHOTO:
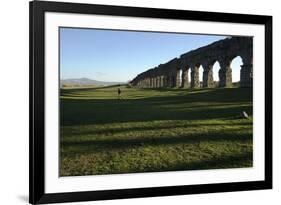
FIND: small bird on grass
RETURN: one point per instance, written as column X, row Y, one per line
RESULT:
column 245, row 115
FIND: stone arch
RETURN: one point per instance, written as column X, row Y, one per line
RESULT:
column 155, row 81
column 223, row 51
column 235, row 65
column 177, row 77
column 200, row 75
column 161, row 81
column 150, row 82
column 180, row 77
column 185, row 77
column 189, row 75
column 173, row 81
column 169, row 80
column 164, row 80
column 216, row 68
column 158, row 81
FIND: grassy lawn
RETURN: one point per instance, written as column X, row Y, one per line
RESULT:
column 154, row 130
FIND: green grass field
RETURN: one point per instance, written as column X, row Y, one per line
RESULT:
column 154, row 130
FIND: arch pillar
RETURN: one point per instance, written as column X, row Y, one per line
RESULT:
column 158, row 81
column 177, row 78
column 165, row 81
column 169, row 81
column 225, row 73
column 184, row 78
column 161, row 81
column 195, row 83
column 173, row 81
column 208, row 81
column 246, row 74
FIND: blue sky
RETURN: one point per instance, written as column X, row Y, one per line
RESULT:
column 108, row 55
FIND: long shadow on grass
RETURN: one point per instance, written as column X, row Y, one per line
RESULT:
column 97, row 111
column 116, row 130
column 73, row 90
column 116, row 114
column 97, row 145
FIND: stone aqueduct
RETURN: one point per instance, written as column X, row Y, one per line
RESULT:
column 223, row 51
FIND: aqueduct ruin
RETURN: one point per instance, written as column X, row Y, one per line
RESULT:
column 175, row 72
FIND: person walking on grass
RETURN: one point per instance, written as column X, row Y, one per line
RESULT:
column 119, row 93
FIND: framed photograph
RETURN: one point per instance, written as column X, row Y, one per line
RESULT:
column 140, row 102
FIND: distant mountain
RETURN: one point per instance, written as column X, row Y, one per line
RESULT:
column 86, row 81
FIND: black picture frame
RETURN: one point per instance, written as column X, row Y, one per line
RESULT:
column 37, row 10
